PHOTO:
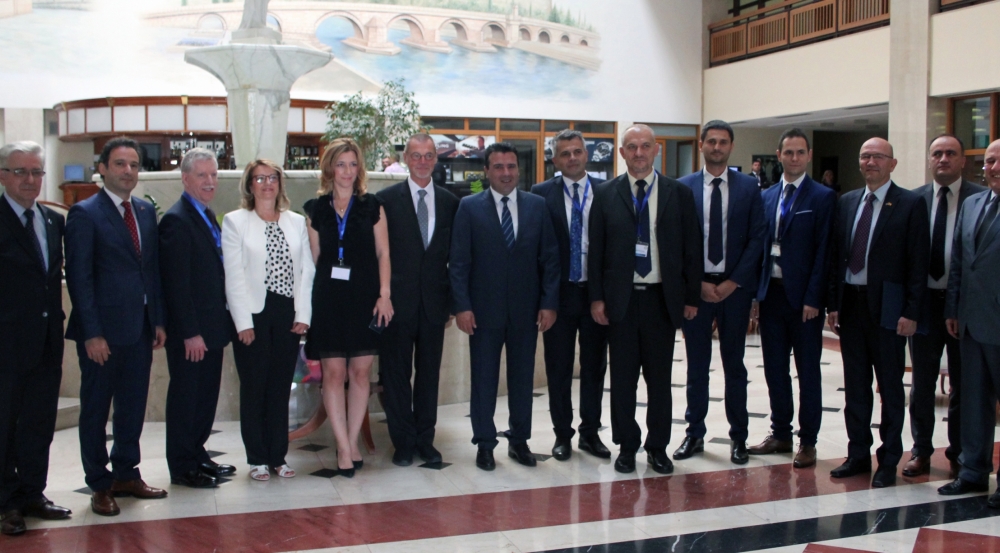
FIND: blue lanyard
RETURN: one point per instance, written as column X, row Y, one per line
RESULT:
column 639, row 209
column 577, row 207
column 786, row 206
column 341, row 227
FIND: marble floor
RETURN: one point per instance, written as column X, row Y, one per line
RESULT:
column 582, row 504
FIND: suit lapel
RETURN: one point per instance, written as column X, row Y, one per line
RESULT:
column 107, row 205
column 625, row 194
column 491, row 213
column 929, row 198
column 18, row 230
column 198, row 221
column 438, row 210
column 852, row 212
column 558, row 203
column 52, row 239
column 885, row 213
column 799, row 198
column 699, row 197
column 661, row 200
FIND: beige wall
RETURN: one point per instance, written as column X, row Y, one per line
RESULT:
column 845, row 72
column 963, row 47
column 845, row 146
column 750, row 142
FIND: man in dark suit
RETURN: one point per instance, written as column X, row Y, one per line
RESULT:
column 944, row 196
column 504, row 269
column 877, row 290
column 792, row 295
column 113, row 277
column 645, row 272
column 729, row 210
column 973, row 318
column 199, row 326
column 757, row 175
column 569, row 198
column 31, row 343
column 420, row 216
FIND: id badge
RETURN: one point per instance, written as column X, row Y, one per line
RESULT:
column 775, row 250
column 341, row 272
column 641, row 249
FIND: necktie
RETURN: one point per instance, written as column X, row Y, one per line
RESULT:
column 576, row 237
column 643, row 265
column 422, row 216
column 214, row 227
column 937, row 236
column 715, row 224
column 507, row 225
column 987, row 222
column 785, row 206
column 859, row 248
column 133, row 230
column 29, row 225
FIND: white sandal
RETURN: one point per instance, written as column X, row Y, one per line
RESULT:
column 284, row 471
column 259, row 473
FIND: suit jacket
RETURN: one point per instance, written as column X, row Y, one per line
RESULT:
column 498, row 285
column 804, row 243
column 973, row 286
column 114, row 290
column 898, row 253
column 244, row 249
column 745, row 225
column 611, row 259
column 419, row 275
column 194, row 280
column 555, row 201
column 31, row 314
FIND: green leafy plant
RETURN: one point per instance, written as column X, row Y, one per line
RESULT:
column 156, row 206
column 375, row 123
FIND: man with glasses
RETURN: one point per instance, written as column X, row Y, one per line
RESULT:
column 31, row 343
column 419, row 215
column 877, row 289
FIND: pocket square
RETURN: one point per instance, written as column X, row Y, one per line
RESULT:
column 805, row 211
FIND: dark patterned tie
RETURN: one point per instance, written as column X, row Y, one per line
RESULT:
column 937, row 237
column 987, row 222
column 715, row 224
column 133, row 230
column 785, row 206
column 423, row 216
column 643, row 265
column 507, row 225
column 29, row 225
column 576, row 237
column 859, row 248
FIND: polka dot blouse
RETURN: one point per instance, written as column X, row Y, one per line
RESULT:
column 279, row 262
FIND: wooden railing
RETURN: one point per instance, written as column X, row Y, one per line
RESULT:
column 789, row 23
column 953, row 4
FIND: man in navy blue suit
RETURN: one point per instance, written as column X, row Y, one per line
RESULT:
column 504, row 269
column 799, row 214
column 729, row 211
column 113, row 276
column 569, row 198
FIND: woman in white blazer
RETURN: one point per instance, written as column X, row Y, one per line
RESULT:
column 269, row 280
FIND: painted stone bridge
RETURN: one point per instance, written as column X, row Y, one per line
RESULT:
column 476, row 31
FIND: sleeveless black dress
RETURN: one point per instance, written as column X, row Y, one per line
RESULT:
column 342, row 309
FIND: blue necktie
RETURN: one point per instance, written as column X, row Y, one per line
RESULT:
column 715, row 224
column 507, row 225
column 643, row 265
column 576, row 238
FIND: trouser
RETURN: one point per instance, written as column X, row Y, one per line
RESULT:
column 980, row 390
column 485, row 345
column 192, row 397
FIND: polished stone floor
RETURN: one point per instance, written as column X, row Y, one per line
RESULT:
column 582, row 504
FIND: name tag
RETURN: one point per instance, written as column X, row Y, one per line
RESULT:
column 641, row 249
column 775, row 250
column 341, row 273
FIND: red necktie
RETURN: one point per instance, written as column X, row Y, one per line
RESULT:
column 130, row 225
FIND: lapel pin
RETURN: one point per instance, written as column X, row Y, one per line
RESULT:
column 888, row 204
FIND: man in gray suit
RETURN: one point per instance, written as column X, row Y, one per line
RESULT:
column 944, row 196
column 973, row 317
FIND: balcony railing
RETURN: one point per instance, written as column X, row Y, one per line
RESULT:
column 955, row 4
column 792, row 23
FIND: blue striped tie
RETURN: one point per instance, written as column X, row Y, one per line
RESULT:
column 507, row 225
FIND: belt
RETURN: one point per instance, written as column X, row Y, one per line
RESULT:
column 582, row 284
column 860, row 289
column 644, row 287
column 714, row 278
column 936, row 293
column 776, row 282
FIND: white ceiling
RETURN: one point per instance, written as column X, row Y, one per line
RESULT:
column 862, row 118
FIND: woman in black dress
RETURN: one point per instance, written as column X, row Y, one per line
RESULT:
column 350, row 244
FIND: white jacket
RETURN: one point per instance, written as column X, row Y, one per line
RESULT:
column 244, row 250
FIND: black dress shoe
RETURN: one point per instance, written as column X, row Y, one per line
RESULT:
column 562, row 450
column 216, row 470
column 994, row 500
column 852, row 467
column 45, row 510
column 960, row 487
column 625, row 463
column 194, row 479
column 429, row 454
column 358, row 465
column 659, row 462
column 484, row 459
column 738, row 453
column 594, row 446
column 689, row 447
column 884, row 477
column 402, row 458
column 522, row 454
column 346, row 473
column 12, row 523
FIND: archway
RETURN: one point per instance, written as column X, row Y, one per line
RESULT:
column 273, row 22
column 336, row 26
column 564, row 39
column 583, row 42
column 454, row 29
column 525, row 34
column 412, row 25
column 543, row 37
column 211, row 23
column 493, row 32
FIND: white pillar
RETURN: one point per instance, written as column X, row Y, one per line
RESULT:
column 911, row 123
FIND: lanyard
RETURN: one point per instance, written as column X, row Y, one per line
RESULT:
column 786, row 206
column 341, row 227
column 579, row 207
column 639, row 209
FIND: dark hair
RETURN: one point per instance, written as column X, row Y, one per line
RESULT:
column 566, row 135
column 119, row 142
column 717, row 125
column 757, row 160
column 946, row 135
column 793, row 132
column 498, row 147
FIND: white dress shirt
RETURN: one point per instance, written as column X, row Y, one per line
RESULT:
column 511, row 206
column 38, row 224
column 949, row 229
column 121, row 211
column 428, row 199
column 707, row 203
column 587, row 203
column 652, row 190
column 797, row 183
column 861, row 279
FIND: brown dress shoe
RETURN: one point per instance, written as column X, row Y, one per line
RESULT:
column 136, row 488
column 104, row 504
column 45, row 510
column 804, row 457
column 770, row 445
column 917, row 466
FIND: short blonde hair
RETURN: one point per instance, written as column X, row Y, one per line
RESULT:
column 248, row 202
column 333, row 151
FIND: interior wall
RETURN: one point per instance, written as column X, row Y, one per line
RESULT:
column 845, row 146
column 962, row 42
column 58, row 154
column 751, row 142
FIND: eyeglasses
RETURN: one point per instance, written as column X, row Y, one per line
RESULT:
column 261, row 179
column 36, row 173
column 876, row 157
column 425, row 157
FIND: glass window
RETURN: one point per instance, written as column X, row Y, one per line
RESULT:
column 482, row 124
column 973, row 171
column 443, row 122
column 595, row 127
column 527, row 154
column 972, row 122
column 556, row 126
column 519, row 125
column 674, row 130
